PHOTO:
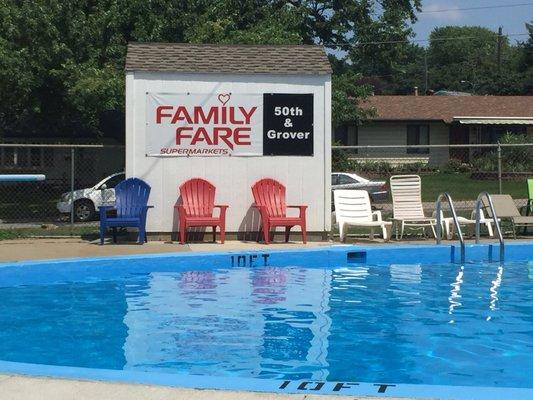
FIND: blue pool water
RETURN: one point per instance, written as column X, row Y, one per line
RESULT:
column 442, row 324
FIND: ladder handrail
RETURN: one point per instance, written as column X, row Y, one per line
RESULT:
column 438, row 208
column 494, row 218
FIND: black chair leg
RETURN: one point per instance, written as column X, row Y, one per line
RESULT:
column 287, row 233
column 114, row 235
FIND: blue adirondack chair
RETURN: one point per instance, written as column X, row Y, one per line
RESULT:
column 131, row 198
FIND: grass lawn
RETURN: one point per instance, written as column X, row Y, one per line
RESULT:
column 461, row 187
column 90, row 232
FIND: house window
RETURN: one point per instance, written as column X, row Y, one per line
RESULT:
column 341, row 135
column 24, row 158
column 418, row 135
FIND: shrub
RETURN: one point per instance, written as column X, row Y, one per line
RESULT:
column 455, row 165
column 514, row 159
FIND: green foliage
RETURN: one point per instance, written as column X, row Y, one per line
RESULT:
column 514, row 159
column 347, row 94
column 343, row 163
column 340, row 161
column 455, row 166
column 471, row 64
column 61, row 62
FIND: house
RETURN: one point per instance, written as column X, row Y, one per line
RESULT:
column 52, row 157
column 435, row 120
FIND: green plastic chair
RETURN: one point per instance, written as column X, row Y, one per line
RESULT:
column 529, row 210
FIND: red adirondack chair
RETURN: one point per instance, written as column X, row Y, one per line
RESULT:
column 269, row 196
column 196, row 208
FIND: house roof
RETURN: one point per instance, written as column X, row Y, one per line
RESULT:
column 449, row 108
column 218, row 58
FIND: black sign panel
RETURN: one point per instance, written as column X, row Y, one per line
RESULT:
column 288, row 124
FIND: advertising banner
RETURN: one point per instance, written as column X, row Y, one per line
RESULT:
column 229, row 124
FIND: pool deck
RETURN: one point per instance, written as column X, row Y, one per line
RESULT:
column 39, row 249
column 16, row 387
column 49, row 248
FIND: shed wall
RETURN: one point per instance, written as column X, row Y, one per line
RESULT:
column 307, row 178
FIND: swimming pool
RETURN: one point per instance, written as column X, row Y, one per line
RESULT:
column 390, row 321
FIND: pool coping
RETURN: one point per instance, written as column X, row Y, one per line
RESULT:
column 332, row 255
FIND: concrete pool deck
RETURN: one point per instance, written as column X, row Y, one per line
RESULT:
column 16, row 387
column 49, row 248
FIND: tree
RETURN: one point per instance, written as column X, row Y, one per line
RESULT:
column 347, row 93
column 464, row 58
column 61, row 62
column 525, row 62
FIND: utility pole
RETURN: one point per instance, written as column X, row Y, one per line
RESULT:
column 426, row 71
column 499, row 51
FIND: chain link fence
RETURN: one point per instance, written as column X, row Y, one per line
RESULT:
column 74, row 186
column 463, row 171
column 76, row 183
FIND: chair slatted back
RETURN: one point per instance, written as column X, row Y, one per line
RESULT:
column 131, row 197
column 270, row 194
column 406, row 193
column 352, row 206
column 198, row 197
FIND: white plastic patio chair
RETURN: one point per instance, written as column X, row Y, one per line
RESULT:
column 407, row 206
column 352, row 208
column 449, row 227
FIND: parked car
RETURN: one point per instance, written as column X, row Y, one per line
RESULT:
column 376, row 189
column 87, row 201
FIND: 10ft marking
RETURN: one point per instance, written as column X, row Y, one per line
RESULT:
column 250, row 260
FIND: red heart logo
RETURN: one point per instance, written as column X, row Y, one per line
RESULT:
column 224, row 98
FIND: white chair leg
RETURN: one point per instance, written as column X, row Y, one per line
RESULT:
column 384, row 229
column 342, row 232
column 372, row 233
column 402, row 229
column 449, row 227
column 489, row 228
column 433, row 230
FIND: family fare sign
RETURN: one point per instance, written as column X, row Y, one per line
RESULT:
column 224, row 124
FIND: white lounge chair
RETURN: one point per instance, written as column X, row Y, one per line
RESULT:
column 449, row 226
column 352, row 208
column 407, row 207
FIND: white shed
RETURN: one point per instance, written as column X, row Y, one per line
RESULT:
column 231, row 114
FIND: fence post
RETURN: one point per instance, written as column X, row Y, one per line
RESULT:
column 499, row 168
column 72, row 189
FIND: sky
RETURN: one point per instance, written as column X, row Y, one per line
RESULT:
column 512, row 19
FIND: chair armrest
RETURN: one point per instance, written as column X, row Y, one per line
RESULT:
column 302, row 209
column 103, row 212
column 377, row 214
column 223, row 208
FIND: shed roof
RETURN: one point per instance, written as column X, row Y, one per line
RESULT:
column 449, row 108
column 219, row 58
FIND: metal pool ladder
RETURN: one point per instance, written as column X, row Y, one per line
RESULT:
column 438, row 207
column 495, row 220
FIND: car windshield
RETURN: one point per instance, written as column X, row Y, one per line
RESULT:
column 113, row 181
column 346, row 180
